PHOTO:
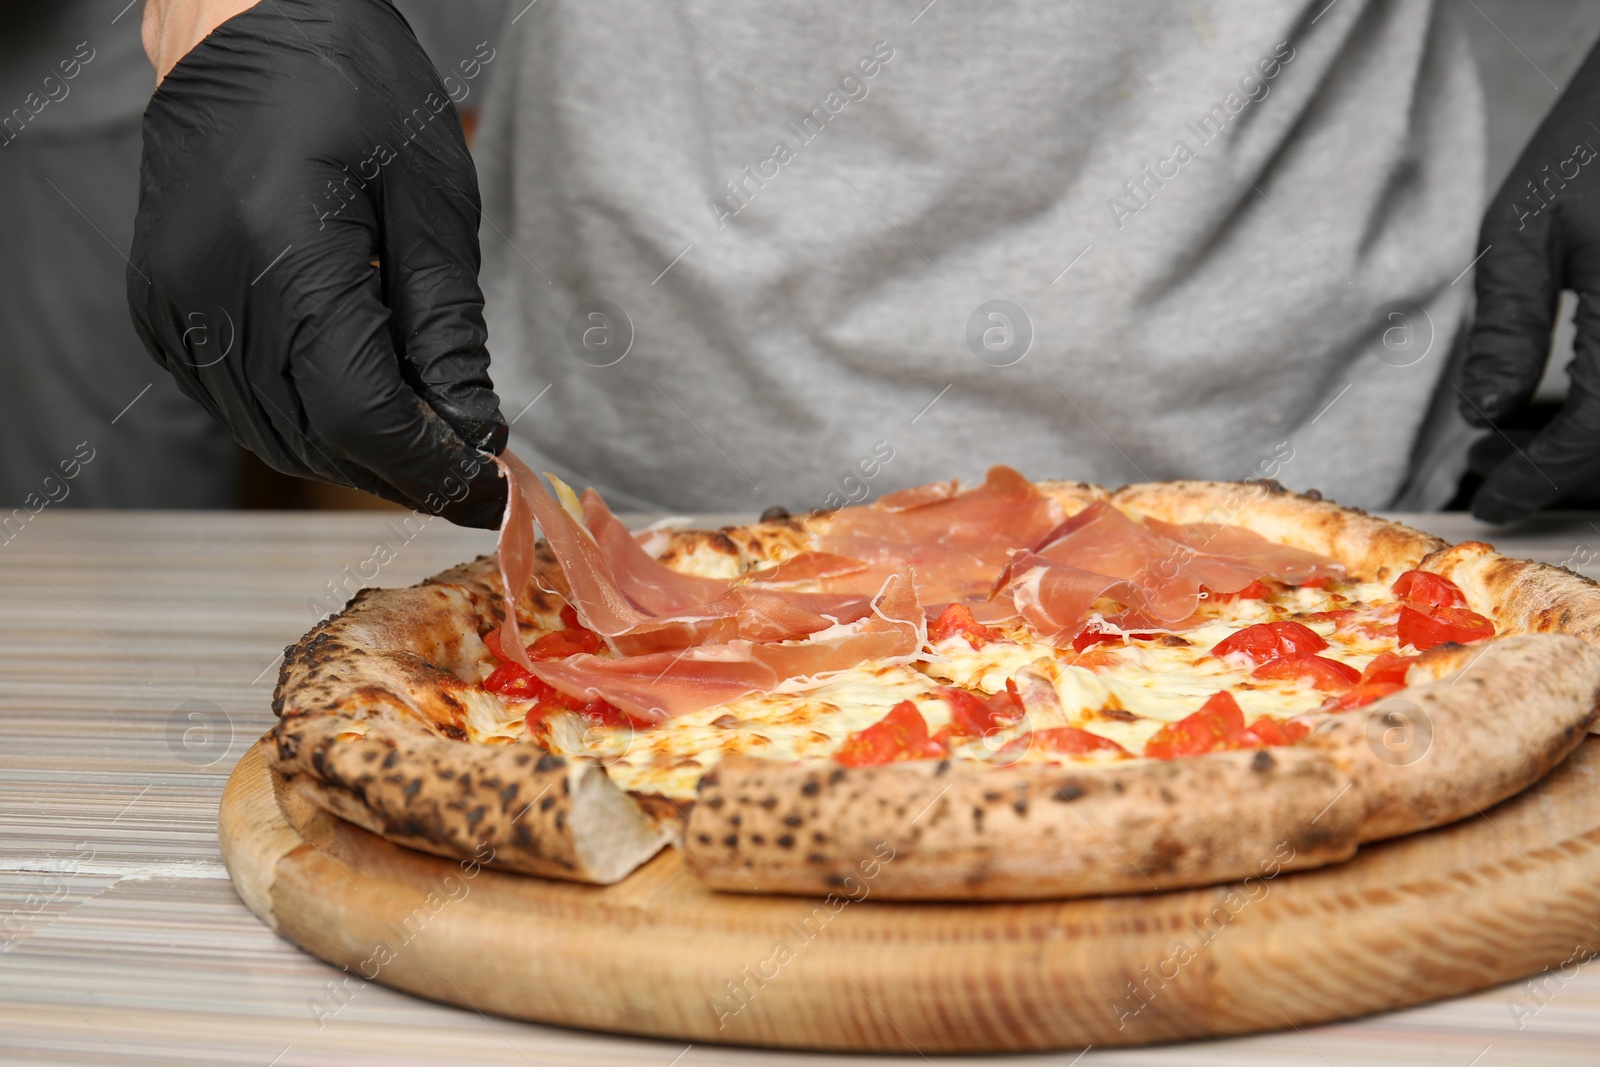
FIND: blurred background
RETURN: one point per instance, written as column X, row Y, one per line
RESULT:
column 77, row 391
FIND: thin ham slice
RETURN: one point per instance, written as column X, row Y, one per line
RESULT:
column 660, row 685
column 1295, row 566
column 1168, row 574
column 596, row 597
column 918, row 496
column 515, row 555
column 648, row 584
column 682, row 642
column 807, row 567
column 956, row 544
column 1055, row 598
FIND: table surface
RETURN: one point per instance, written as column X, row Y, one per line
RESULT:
column 137, row 657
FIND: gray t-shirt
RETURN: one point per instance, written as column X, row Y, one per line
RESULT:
column 739, row 254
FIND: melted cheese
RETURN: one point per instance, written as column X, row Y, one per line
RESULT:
column 1129, row 693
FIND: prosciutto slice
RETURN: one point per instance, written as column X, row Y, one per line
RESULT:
column 956, row 543
column 679, row 642
column 1167, row 574
column 663, row 684
column 808, row 567
column 1055, row 598
column 1295, row 566
column 515, row 555
column 648, row 584
column 596, row 596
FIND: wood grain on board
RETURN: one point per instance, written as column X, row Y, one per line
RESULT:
column 1430, row 916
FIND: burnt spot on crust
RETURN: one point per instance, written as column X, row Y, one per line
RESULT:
column 776, row 513
column 1263, row 762
column 549, row 762
column 811, row 787
column 1164, row 855
column 1067, row 791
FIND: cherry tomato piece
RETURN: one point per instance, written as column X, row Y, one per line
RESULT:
column 1065, row 740
column 1321, row 672
column 513, row 680
column 1388, row 667
column 1443, row 626
column 1267, row 731
column 1094, row 635
column 900, row 735
column 1218, row 721
column 957, row 619
column 1270, row 640
column 1425, row 591
column 1361, row 696
column 975, row 716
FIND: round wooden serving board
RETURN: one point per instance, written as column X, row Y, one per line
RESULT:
column 1482, row 902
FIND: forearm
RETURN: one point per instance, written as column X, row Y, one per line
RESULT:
column 172, row 27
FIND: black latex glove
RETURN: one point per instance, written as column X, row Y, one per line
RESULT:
column 1543, row 234
column 295, row 145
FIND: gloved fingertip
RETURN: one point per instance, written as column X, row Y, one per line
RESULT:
column 1490, row 507
column 483, row 506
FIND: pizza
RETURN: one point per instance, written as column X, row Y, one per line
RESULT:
column 1010, row 690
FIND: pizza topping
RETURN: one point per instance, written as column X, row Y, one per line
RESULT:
column 958, row 619
column 974, row 716
column 1059, row 740
column 1219, row 725
column 516, row 546
column 956, row 544
column 1167, row 574
column 594, row 711
column 595, row 594
column 1256, row 590
column 1292, row 566
column 918, row 496
column 1321, row 672
column 647, row 583
column 1388, row 667
column 807, row 567
column 1271, row 640
column 512, row 681
column 1427, row 591
column 900, row 735
column 1442, row 626
column 658, row 685
column 1096, row 634
column 1054, row 598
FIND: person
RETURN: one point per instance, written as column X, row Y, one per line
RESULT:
column 757, row 257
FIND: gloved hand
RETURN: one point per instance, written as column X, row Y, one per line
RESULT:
column 305, row 255
column 1542, row 230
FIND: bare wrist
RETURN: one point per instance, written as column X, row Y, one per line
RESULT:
column 172, row 27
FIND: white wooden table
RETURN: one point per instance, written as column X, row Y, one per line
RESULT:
column 137, row 657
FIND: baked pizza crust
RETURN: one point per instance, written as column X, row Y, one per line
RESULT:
column 373, row 715
column 1493, row 725
column 373, row 710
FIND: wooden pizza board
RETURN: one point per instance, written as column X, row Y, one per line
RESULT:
column 1475, row 904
